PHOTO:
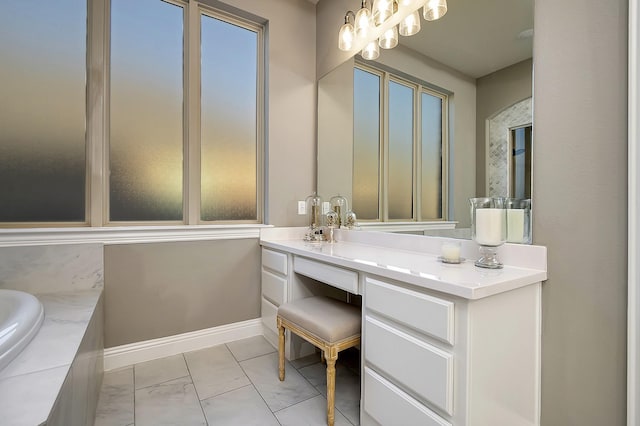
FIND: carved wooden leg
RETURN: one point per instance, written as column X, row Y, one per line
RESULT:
column 331, row 355
column 280, row 350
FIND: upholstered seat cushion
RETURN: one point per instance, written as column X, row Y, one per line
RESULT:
column 329, row 319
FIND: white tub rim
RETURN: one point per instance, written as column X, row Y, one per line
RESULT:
column 20, row 321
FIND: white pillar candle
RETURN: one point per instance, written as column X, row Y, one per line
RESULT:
column 451, row 251
column 490, row 226
column 515, row 225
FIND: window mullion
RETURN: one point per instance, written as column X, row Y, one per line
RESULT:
column 417, row 154
column 97, row 109
column 445, row 146
column 192, row 182
column 384, row 149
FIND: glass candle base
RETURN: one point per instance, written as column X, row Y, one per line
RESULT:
column 488, row 258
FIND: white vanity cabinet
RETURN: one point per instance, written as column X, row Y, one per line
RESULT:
column 441, row 345
column 275, row 275
column 281, row 282
column 433, row 359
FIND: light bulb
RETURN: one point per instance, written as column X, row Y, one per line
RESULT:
column 389, row 39
column 434, row 9
column 345, row 37
column 410, row 25
column 364, row 22
column 383, row 9
column 371, row 51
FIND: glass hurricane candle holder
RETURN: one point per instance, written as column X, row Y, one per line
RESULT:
column 518, row 220
column 314, row 212
column 488, row 229
column 332, row 223
column 340, row 206
column 350, row 220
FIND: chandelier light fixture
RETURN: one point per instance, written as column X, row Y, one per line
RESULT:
column 378, row 24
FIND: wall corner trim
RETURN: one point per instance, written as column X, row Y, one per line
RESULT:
column 125, row 355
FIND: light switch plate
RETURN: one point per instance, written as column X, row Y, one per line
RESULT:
column 302, row 207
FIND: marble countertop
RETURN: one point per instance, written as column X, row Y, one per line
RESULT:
column 30, row 384
column 414, row 259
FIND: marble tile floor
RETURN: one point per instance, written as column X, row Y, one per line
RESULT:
column 233, row 384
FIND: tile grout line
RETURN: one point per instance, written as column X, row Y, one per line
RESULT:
column 247, row 359
column 314, row 387
column 256, row 389
column 227, row 391
column 310, row 384
column 238, row 362
column 195, row 389
column 325, row 385
column 166, row 381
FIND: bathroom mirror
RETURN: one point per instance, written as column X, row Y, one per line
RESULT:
column 480, row 56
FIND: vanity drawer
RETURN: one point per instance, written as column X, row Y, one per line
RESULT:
column 269, row 313
column 415, row 365
column 337, row 277
column 388, row 405
column 275, row 261
column 424, row 313
column 273, row 287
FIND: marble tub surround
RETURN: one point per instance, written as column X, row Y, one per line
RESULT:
column 55, row 380
column 67, row 315
column 52, row 268
column 78, row 398
column 57, row 375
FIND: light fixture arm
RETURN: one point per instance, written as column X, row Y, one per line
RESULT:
column 351, row 15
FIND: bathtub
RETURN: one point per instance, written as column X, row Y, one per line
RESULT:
column 21, row 315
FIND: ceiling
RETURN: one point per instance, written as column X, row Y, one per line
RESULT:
column 477, row 37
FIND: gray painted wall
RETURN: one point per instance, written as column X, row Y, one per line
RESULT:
column 580, row 206
column 495, row 92
column 579, row 193
column 162, row 289
column 158, row 290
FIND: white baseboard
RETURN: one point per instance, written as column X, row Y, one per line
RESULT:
column 125, row 355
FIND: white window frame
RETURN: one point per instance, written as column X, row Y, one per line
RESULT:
column 418, row 87
column 97, row 142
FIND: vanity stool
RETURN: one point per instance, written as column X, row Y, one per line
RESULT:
column 328, row 324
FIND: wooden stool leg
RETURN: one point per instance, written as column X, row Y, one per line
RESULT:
column 280, row 351
column 331, row 355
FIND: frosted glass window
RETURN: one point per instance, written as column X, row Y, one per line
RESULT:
column 42, row 110
column 431, row 199
column 229, row 135
column 146, row 133
column 400, row 189
column 407, row 149
column 366, row 144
